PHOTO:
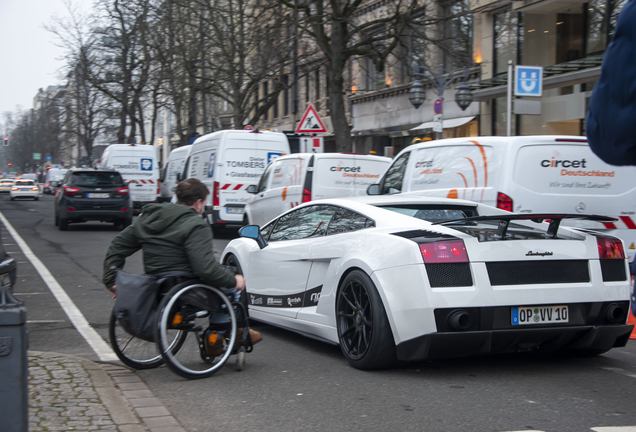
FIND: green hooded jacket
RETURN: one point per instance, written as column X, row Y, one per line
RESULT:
column 173, row 237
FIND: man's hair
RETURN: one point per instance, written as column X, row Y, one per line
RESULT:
column 190, row 190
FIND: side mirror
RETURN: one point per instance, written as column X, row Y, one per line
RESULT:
column 252, row 189
column 373, row 189
column 253, row 232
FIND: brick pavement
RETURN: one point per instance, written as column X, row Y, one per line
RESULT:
column 69, row 393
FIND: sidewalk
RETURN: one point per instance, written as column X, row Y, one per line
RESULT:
column 69, row 393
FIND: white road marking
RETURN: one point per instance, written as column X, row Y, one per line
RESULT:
column 23, row 294
column 620, row 371
column 101, row 348
column 615, row 429
column 44, row 321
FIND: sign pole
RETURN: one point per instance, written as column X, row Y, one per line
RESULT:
column 509, row 109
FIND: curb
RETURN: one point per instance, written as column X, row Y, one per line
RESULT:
column 132, row 406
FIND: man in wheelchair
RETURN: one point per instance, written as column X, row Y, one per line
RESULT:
column 174, row 238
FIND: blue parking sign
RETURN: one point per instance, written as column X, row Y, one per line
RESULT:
column 528, row 81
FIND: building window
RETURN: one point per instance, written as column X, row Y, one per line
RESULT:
column 458, row 35
column 265, row 93
column 286, row 95
column 375, row 79
column 601, row 16
column 506, row 25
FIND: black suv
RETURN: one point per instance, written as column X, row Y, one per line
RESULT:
column 87, row 194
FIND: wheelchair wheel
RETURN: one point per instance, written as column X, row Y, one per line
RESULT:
column 138, row 353
column 191, row 308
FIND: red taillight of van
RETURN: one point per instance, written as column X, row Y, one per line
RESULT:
column 158, row 187
column 504, row 202
column 123, row 191
column 444, row 252
column 610, row 248
column 215, row 195
column 306, row 195
column 70, row 190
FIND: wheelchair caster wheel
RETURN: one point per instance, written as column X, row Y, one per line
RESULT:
column 240, row 360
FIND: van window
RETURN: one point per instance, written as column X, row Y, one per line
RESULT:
column 288, row 172
column 262, row 184
column 570, row 169
column 460, row 171
column 395, row 175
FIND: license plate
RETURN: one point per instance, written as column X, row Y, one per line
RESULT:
column 98, row 195
column 539, row 315
column 235, row 210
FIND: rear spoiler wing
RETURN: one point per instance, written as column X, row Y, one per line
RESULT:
column 554, row 218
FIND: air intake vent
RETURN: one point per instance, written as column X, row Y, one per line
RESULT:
column 613, row 270
column 538, row 272
column 449, row 275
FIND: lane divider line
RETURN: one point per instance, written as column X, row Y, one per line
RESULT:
column 101, row 348
column 620, row 371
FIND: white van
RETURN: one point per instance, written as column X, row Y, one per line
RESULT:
column 174, row 166
column 228, row 162
column 137, row 165
column 303, row 177
column 529, row 174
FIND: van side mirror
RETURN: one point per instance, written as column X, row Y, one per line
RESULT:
column 373, row 189
column 253, row 232
column 252, row 189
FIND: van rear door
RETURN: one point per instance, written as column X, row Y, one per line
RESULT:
column 139, row 170
column 342, row 175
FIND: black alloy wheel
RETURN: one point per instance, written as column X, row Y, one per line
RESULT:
column 363, row 328
column 231, row 260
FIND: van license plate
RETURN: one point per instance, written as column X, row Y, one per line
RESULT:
column 539, row 315
column 98, row 195
column 235, row 210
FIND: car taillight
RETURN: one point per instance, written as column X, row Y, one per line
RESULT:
column 123, row 191
column 504, row 202
column 446, row 251
column 158, row 187
column 610, row 248
column 306, row 195
column 71, row 190
column 35, row 188
column 215, row 194
column 14, row 188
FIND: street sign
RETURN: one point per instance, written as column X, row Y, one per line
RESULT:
column 438, row 126
column 438, row 106
column 248, row 128
column 311, row 145
column 37, row 156
column 528, row 81
column 49, row 158
column 311, row 122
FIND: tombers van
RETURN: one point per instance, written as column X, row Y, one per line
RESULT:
column 228, row 162
column 530, row 174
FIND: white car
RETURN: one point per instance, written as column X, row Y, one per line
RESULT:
column 24, row 189
column 5, row 185
column 404, row 279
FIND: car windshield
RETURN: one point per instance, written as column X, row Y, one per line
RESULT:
column 432, row 213
column 55, row 183
column 96, row 178
column 24, row 183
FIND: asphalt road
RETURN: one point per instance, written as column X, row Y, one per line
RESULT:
column 292, row 383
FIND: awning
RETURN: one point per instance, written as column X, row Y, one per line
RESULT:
column 446, row 123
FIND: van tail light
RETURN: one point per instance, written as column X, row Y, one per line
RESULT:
column 70, row 190
column 158, row 187
column 123, row 191
column 504, row 202
column 215, row 195
column 610, row 248
column 444, row 252
column 306, row 195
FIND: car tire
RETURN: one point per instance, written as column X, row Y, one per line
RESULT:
column 63, row 224
column 126, row 223
column 12, row 198
column 57, row 220
column 363, row 328
column 36, row 199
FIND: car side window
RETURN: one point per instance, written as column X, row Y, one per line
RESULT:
column 395, row 175
column 306, row 222
column 347, row 221
column 267, row 230
column 262, row 184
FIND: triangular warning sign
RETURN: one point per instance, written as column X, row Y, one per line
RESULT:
column 311, row 123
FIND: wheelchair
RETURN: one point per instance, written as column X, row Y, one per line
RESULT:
column 188, row 312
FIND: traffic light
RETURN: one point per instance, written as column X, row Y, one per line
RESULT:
column 5, row 141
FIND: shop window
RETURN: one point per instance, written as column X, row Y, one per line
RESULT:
column 569, row 31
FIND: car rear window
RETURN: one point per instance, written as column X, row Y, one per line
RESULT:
column 431, row 214
column 96, row 178
column 7, row 182
column 24, row 183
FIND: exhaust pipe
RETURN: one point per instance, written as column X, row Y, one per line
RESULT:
column 459, row 320
column 614, row 313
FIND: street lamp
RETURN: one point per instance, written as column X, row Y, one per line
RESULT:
column 440, row 81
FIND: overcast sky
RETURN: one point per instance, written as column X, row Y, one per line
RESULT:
column 28, row 58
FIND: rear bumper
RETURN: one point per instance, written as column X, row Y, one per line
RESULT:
column 96, row 215
column 470, row 343
column 214, row 218
column 19, row 194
